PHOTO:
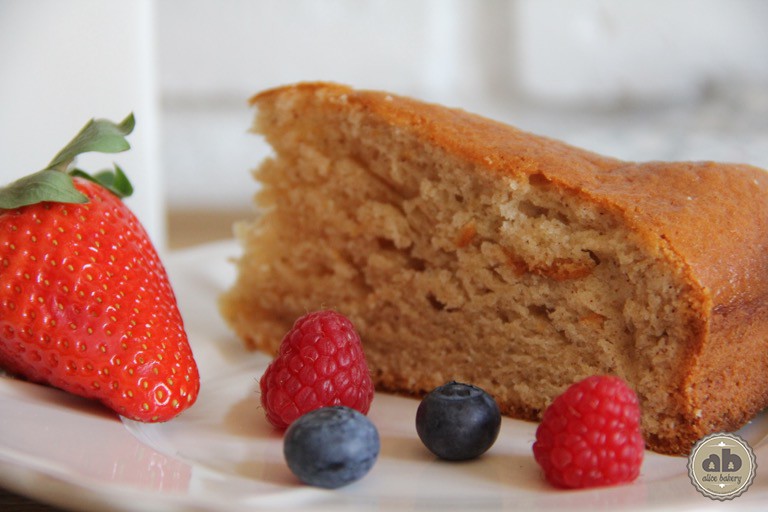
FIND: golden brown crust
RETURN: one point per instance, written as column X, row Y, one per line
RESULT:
column 647, row 194
column 716, row 233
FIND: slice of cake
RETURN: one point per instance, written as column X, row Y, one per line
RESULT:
column 464, row 249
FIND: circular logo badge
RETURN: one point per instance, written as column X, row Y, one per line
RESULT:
column 722, row 466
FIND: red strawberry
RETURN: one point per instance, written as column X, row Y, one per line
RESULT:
column 320, row 363
column 85, row 303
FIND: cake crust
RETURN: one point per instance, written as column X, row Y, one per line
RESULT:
column 729, row 257
column 707, row 221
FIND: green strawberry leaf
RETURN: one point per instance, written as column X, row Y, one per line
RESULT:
column 115, row 181
column 97, row 135
column 45, row 185
column 54, row 183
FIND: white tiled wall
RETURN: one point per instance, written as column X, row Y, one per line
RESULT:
column 603, row 51
column 638, row 79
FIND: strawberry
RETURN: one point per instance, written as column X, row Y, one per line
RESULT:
column 85, row 302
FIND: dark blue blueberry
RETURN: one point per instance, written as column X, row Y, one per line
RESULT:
column 458, row 421
column 331, row 446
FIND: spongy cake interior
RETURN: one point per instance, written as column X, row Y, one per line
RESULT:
column 453, row 272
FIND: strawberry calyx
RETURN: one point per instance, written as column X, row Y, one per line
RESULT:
column 55, row 182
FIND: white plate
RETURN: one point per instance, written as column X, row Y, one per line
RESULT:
column 221, row 455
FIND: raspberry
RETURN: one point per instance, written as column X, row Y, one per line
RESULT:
column 590, row 435
column 320, row 363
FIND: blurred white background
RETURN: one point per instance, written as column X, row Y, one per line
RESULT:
column 641, row 80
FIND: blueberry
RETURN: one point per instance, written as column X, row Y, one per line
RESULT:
column 458, row 421
column 331, row 446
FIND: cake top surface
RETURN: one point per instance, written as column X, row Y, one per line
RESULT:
column 712, row 217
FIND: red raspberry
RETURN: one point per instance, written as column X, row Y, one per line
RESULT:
column 320, row 363
column 590, row 435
